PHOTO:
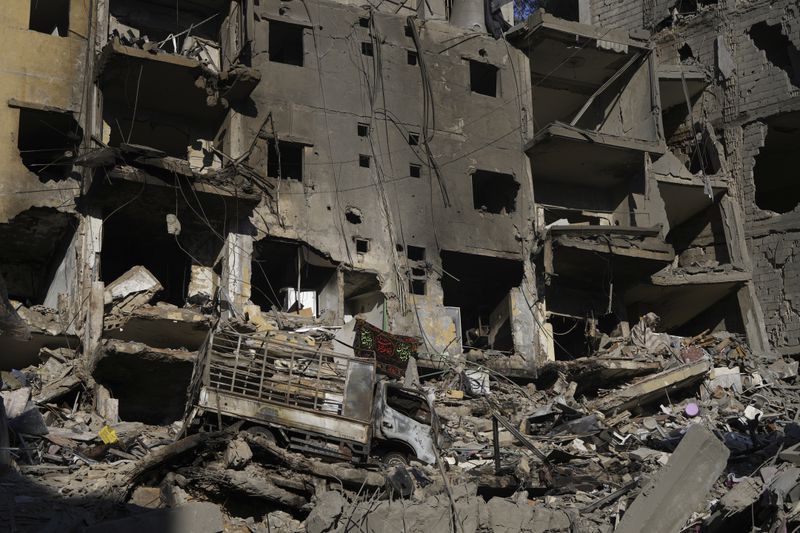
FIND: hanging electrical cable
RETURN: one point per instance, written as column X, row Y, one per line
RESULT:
column 428, row 111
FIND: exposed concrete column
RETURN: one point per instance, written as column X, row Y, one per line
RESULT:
column 529, row 327
column 104, row 405
column 753, row 319
column 236, row 273
column 63, row 287
column 431, row 10
column 544, row 337
column 584, row 11
column 749, row 306
column 236, row 134
column 734, row 232
column 93, row 325
column 523, row 325
column 87, row 305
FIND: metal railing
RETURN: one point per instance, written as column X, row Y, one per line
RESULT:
column 263, row 368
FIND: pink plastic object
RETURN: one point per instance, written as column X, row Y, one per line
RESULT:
column 691, row 410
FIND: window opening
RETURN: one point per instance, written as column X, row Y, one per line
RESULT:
column 285, row 43
column 50, row 17
column 494, row 192
column 483, row 78
column 285, row 160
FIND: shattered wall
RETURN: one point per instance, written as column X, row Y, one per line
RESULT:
column 42, row 87
column 352, row 107
column 45, row 72
column 750, row 51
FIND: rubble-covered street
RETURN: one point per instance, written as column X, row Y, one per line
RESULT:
column 419, row 266
column 654, row 431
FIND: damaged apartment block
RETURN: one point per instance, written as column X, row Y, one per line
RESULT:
column 437, row 265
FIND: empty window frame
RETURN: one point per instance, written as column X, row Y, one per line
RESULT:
column 415, row 171
column 411, row 57
column 50, row 17
column 285, row 43
column 483, row 78
column 411, row 405
column 363, row 161
column 477, row 285
column 776, row 190
column 363, row 22
column 285, row 160
column 366, row 49
column 413, row 139
column 494, row 192
column 416, row 286
column 363, row 129
column 415, row 253
column 362, row 245
column 47, row 142
column 778, row 48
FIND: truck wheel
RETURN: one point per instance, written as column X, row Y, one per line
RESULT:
column 394, row 459
column 262, row 432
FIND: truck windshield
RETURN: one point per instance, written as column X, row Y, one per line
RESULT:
column 409, row 404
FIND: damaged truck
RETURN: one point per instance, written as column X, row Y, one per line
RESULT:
column 309, row 399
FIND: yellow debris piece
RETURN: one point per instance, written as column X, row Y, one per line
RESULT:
column 108, row 435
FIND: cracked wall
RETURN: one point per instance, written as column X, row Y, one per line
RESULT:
column 353, row 107
column 40, row 71
column 750, row 51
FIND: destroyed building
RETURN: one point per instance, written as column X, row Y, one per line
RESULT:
column 514, row 192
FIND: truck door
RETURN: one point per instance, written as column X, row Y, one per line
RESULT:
column 406, row 416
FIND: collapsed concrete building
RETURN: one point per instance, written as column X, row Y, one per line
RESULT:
column 508, row 192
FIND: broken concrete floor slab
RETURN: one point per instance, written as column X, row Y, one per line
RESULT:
column 198, row 517
column 667, row 501
column 652, row 388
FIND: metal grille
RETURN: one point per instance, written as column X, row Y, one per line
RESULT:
column 263, row 368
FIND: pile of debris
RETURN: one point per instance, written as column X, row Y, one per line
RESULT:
column 697, row 433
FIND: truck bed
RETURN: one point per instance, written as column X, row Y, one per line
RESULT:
column 256, row 377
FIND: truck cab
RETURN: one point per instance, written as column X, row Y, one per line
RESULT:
column 402, row 424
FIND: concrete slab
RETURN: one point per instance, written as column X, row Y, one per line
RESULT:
column 680, row 488
column 652, row 388
column 189, row 518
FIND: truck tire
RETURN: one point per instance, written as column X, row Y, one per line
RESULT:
column 401, row 482
column 261, row 431
column 394, row 458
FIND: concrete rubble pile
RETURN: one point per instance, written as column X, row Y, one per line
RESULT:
column 422, row 266
column 695, row 433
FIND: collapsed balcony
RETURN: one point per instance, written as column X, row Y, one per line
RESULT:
column 704, row 271
column 193, row 86
column 161, row 255
column 571, row 156
column 679, row 84
column 291, row 277
column 479, row 287
column 599, row 277
column 171, row 88
column 205, row 172
column 593, row 94
column 192, row 107
column 590, row 78
column 36, row 267
column 588, row 269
